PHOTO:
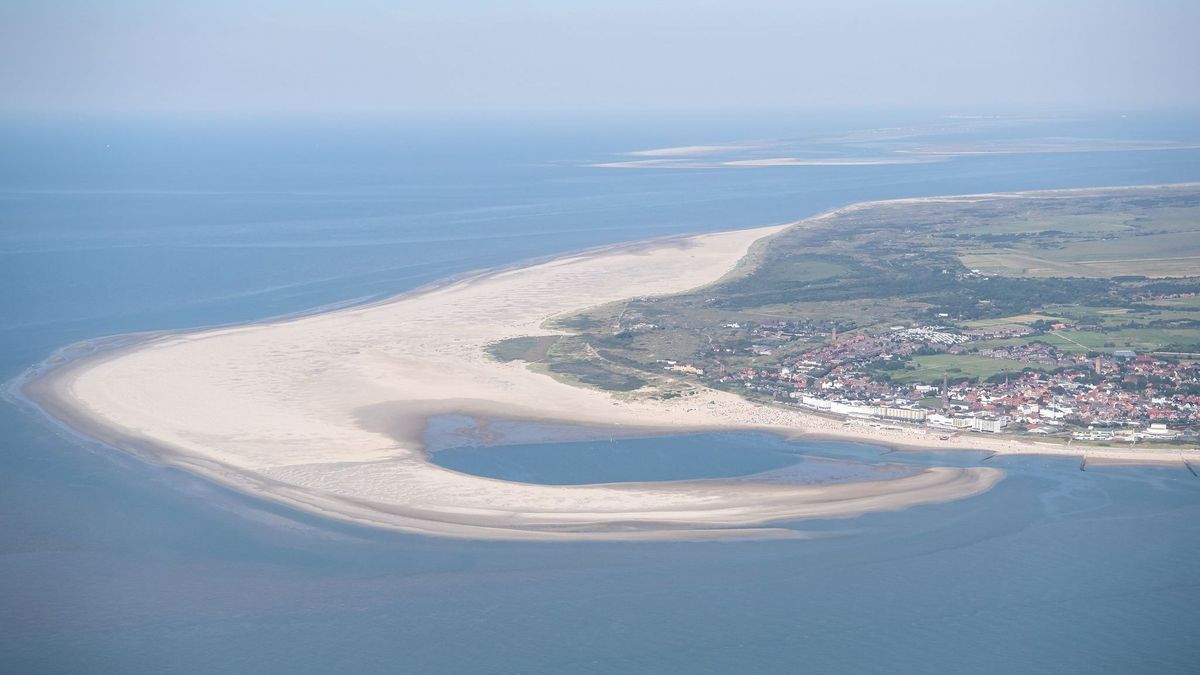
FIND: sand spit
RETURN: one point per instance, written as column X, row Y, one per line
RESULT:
column 685, row 163
column 323, row 412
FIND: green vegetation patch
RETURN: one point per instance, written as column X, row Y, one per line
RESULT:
column 1183, row 304
column 931, row 369
column 1117, row 266
column 596, row 375
column 531, row 349
column 1020, row 319
column 1136, row 339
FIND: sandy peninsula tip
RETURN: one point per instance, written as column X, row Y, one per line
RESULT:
column 277, row 409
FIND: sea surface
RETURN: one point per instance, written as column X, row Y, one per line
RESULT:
column 111, row 565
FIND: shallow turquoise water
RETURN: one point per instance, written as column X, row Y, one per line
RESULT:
column 111, row 565
column 696, row 456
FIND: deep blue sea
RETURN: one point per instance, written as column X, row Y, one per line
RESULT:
column 110, row 565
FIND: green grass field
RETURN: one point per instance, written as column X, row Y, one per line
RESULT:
column 1180, row 304
column 1021, row 319
column 1136, row 339
column 930, row 369
column 1154, row 242
column 1170, row 254
column 1072, row 223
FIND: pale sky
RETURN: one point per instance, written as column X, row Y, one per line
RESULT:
column 356, row 56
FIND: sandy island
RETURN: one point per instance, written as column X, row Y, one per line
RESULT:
column 325, row 412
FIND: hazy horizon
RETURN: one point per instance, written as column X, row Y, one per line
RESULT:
column 371, row 57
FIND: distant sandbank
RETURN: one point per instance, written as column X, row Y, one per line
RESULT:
column 324, row 412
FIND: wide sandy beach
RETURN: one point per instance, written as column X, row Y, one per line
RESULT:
column 325, row 412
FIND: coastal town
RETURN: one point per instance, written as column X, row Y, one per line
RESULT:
column 1117, row 396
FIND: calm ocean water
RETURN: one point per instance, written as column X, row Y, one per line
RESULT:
column 111, row 565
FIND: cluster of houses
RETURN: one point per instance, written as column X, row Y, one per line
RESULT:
column 1120, row 396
